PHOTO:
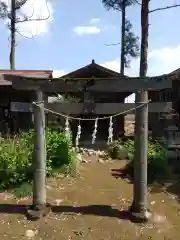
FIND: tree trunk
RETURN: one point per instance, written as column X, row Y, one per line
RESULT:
column 13, row 37
column 123, row 41
column 144, row 38
column 123, row 22
column 139, row 206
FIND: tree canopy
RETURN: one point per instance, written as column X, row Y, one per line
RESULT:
column 117, row 4
column 132, row 48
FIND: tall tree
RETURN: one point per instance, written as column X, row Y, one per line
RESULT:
column 13, row 14
column 139, row 205
column 121, row 5
column 13, row 32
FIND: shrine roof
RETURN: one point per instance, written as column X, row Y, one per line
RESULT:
column 93, row 70
column 176, row 72
column 23, row 73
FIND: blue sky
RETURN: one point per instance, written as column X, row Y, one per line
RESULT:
column 57, row 45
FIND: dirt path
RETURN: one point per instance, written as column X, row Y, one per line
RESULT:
column 92, row 207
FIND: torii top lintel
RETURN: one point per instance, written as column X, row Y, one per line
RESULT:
column 115, row 84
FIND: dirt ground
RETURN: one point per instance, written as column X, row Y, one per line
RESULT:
column 91, row 207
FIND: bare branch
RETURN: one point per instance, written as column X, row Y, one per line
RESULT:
column 164, row 8
column 136, row 1
column 22, row 35
column 24, row 16
column 30, row 19
column 112, row 44
column 19, row 4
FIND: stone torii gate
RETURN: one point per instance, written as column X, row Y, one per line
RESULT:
column 118, row 84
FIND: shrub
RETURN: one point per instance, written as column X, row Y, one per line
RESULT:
column 15, row 161
column 158, row 167
column 24, row 190
column 129, row 145
column 16, row 157
column 60, row 151
column 116, row 150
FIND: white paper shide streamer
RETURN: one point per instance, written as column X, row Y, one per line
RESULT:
column 78, row 134
column 95, row 131
column 67, row 128
column 110, row 137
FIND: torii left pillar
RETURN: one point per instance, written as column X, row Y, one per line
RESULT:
column 39, row 207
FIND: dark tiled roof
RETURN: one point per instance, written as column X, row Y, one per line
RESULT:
column 177, row 72
column 23, row 73
column 28, row 73
column 4, row 82
column 89, row 66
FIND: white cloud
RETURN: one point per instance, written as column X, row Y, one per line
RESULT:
column 94, row 20
column 113, row 65
column 164, row 60
column 58, row 73
column 35, row 10
column 160, row 61
column 86, row 30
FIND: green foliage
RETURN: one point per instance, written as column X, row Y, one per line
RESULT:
column 129, row 145
column 16, row 157
column 15, row 161
column 155, row 148
column 59, row 149
column 5, row 10
column 158, row 167
column 132, row 49
column 24, row 190
column 117, row 151
column 131, row 44
column 117, row 4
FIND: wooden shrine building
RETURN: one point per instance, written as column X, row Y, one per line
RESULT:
column 12, row 120
column 17, row 103
column 97, row 71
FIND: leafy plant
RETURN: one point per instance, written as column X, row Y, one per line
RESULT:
column 129, row 145
column 158, row 167
column 15, row 161
column 16, row 157
column 116, row 150
column 59, row 149
column 24, row 190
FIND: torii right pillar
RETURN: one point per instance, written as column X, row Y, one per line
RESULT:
column 139, row 206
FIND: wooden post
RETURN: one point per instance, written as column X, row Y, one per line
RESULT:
column 39, row 161
column 139, row 205
column 39, row 207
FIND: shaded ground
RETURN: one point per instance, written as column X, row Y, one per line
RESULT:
column 91, row 207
